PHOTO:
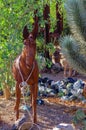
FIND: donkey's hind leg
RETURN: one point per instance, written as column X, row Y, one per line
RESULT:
column 18, row 96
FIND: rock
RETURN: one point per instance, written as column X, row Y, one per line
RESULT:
column 64, row 126
column 84, row 91
column 45, row 79
column 56, row 68
column 20, row 121
column 78, row 84
column 40, row 102
column 50, row 82
column 29, row 126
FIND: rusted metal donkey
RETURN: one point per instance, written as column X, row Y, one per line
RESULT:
column 25, row 69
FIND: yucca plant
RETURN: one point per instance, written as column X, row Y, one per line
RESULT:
column 74, row 45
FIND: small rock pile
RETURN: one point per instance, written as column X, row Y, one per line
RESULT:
column 67, row 89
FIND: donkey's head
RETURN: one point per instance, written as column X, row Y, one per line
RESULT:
column 30, row 44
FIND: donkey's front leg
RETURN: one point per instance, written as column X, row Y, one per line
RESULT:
column 34, row 91
column 18, row 96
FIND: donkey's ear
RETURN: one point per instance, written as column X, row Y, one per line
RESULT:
column 25, row 32
column 35, row 29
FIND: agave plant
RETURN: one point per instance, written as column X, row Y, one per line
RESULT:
column 74, row 45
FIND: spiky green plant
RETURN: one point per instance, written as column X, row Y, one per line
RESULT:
column 80, row 118
column 74, row 46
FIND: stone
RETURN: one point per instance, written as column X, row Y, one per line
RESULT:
column 64, row 126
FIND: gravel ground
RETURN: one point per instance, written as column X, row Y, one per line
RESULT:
column 53, row 112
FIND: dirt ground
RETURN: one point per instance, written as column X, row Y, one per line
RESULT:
column 53, row 112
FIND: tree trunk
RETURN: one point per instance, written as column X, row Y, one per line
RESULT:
column 59, row 17
column 57, row 33
column 46, row 13
column 6, row 90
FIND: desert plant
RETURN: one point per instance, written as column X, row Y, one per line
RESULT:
column 74, row 46
column 80, row 118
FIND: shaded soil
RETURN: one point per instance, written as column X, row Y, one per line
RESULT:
column 53, row 112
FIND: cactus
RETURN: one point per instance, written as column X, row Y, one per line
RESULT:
column 74, row 45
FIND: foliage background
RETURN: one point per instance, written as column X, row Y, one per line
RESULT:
column 14, row 15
